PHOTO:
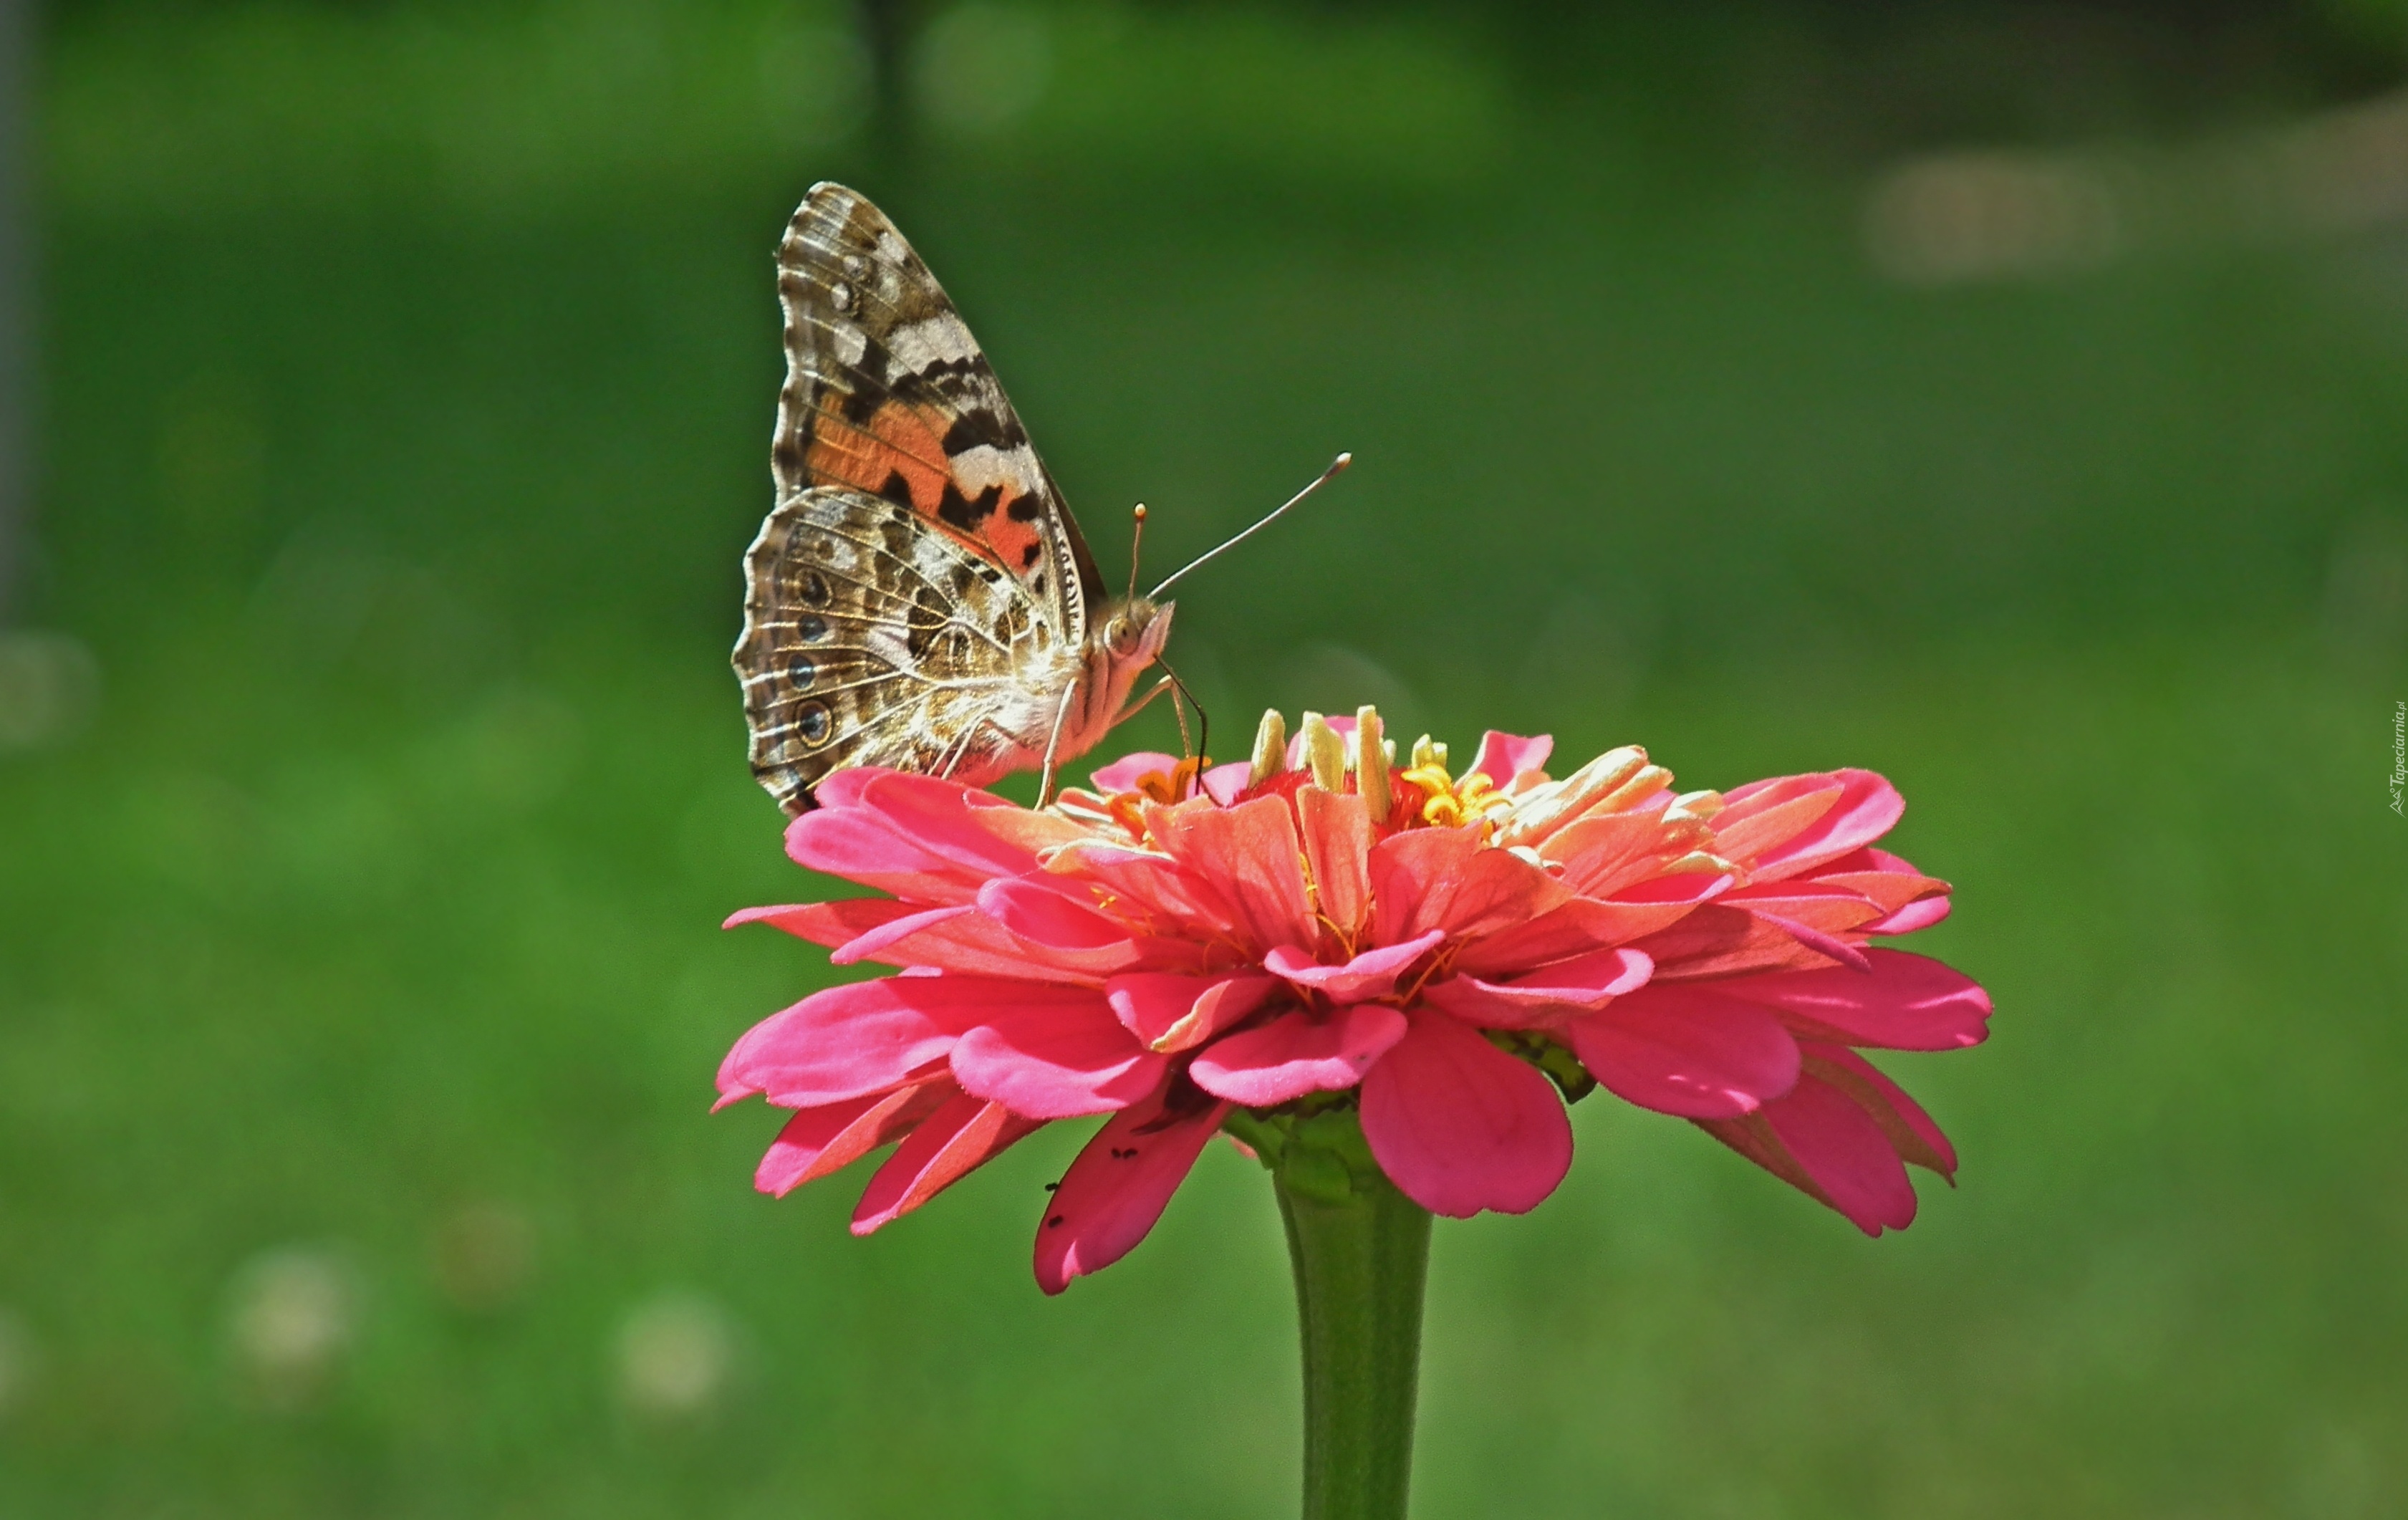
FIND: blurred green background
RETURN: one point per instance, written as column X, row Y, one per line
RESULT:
column 2008, row 398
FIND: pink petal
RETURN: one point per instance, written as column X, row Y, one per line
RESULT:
column 1168, row 1011
column 1588, row 924
column 1460, row 1125
column 1544, row 997
column 1225, row 783
column 1446, row 879
column 1296, row 1054
column 1878, row 876
column 1504, row 757
column 941, row 817
column 1250, row 854
column 1821, row 905
column 1337, row 828
column 1915, row 915
column 1152, row 887
column 1905, row 1002
column 1687, row 1052
column 1764, row 815
column 1912, row 1134
column 1840, row 1147
column 867, row 944
column 1372, row 974
column 1819, row 943
column 1715, row 941
column 1602, row 855
column 972, row 943
column 863, row 1037
column 1117, row 1188
column 862, row 846
column 1041, row 915
column 1124, row 774
column 957, row 1138
column 829, row 923
column 1054, row 1063
column 817, row 1142
column 1866, row 809
column 842, row 788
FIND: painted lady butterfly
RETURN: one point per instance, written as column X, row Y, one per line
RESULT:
column 920, row 596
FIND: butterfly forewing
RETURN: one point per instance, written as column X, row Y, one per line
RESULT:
column 887, row 391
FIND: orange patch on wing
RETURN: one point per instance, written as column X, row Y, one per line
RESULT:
column 902, row 440
column 1012, row 539
column 897, row 442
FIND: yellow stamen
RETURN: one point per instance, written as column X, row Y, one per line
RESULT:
column 1325, row 752
column 1270, row 747
column 1371, row 765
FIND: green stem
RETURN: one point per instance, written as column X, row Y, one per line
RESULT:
column 1360, row 1250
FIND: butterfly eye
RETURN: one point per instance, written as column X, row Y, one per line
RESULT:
column 1120, row 634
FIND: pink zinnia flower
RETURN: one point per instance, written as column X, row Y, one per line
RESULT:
column 1453, row 955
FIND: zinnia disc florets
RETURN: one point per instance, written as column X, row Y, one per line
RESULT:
column 1188, row 948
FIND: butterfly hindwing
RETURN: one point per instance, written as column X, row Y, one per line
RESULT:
column 872, row 636
column 888, row 394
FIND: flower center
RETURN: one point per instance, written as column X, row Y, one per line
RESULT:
column 1450, row 803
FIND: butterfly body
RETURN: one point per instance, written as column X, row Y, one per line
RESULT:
column 920, row 597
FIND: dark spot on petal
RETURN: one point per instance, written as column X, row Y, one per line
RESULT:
column 1055, row 1223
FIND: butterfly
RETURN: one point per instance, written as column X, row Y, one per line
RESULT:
column 920, row 596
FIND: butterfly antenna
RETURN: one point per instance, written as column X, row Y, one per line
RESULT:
column 1326, row 477
column 1136, row 538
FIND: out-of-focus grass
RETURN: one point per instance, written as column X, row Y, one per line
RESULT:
column 384, row 883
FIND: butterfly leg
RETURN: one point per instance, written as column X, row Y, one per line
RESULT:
column 961, row 750
column 1140, row 705
column 1053, row 745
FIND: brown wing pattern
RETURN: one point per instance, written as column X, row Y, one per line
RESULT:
column 872, row 636
column 887, row 393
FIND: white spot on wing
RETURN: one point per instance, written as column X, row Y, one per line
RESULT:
column 938, row 340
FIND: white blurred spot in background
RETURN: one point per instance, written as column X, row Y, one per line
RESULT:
column 1991, row 216
column 291, row 1324
column 483, row 1257
column 19, row 1362
column 677, row 1356
column 979, row 68
column 1960, row 218
column 49, row 685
